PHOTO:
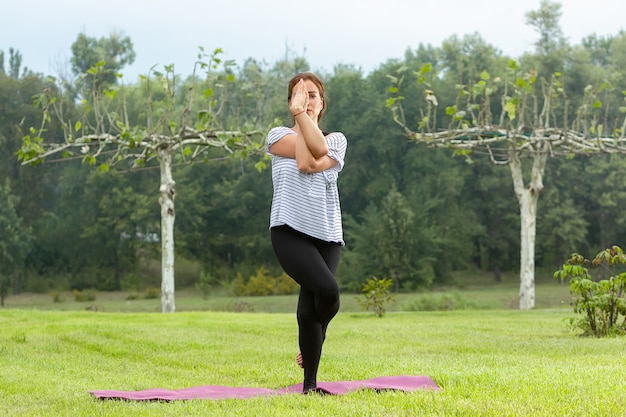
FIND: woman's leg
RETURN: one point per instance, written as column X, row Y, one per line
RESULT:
column 311, row 263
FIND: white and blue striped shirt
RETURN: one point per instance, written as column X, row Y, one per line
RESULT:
column 308, row 203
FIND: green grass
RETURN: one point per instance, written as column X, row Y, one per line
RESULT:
column 487, row 362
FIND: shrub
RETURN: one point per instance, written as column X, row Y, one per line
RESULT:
column 285, row 285
column 263, row 284
column 84, row 295
column 602, row 303
column 376, row 295
column 152, row 293
column 260, row 284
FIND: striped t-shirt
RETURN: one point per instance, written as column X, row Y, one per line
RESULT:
column 308, row 203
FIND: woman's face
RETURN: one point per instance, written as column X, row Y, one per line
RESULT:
column 316, row 103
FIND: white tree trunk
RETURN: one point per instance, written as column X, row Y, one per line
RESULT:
column 527, row 197
column 166, row 200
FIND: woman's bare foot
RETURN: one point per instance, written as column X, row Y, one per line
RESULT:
column 299, row 360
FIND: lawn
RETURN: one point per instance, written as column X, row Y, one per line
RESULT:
column 499, row 362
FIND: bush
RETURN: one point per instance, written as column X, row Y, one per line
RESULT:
column 376, row 295
column 263, row 284
column 285, row 285
column 260, row 284
column 152, row 293
column 84, row 295
column 602, row 303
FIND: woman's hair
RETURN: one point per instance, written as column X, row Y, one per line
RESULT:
column 309, row 76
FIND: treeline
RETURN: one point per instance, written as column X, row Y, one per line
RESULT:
column 410, row 212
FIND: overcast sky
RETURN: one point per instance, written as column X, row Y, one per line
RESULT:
column 364, row 33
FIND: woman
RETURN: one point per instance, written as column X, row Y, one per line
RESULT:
column 305, row 219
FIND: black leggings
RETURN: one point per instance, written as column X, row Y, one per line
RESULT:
column 312, row 263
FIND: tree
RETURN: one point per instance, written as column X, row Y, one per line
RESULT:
column 15, row 64
column 527, row 127
column 177, row 130
column 551, row 47
column 115, row 52
column 14, row 242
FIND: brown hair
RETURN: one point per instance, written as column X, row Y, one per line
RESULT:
column 309, row 76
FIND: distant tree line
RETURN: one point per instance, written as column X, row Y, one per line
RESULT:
column 411, row 214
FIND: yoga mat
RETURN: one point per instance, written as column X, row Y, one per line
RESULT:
column 218, row 392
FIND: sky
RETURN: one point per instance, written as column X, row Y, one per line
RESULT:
column 363, row 33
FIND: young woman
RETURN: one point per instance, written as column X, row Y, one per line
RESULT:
column 305, row 220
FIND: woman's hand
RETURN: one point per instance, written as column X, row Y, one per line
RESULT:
column 299, row 99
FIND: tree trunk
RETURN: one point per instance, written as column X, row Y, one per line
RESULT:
column 527, row 197
column 166, row 200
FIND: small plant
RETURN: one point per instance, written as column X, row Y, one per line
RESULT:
column 376, row 295
column 602, row 302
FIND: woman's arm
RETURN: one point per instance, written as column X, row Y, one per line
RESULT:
column 299, row 107
column 291, row 145
column 313, row 137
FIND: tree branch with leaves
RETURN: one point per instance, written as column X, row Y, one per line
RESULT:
column 184, row 121
column 533, row 122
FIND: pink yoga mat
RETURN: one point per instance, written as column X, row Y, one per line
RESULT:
column 217, row 392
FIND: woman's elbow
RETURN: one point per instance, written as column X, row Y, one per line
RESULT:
column 304, row 167
column 320, row 152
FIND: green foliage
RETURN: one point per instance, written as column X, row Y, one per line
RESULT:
column 15, row 239
column 152, row 293
column 285, row 285
column 5, row 284
column 131, row 282
column 262, row 284
column 601, row 302
column 85, row 295
column 459, row 215
column 393, row 240
column 204, row 284
column 112, row 53
column 376, row 295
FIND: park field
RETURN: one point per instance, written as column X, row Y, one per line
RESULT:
column 487, row 361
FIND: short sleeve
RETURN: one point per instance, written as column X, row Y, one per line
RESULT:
column 337, row 145
column 275, row 134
